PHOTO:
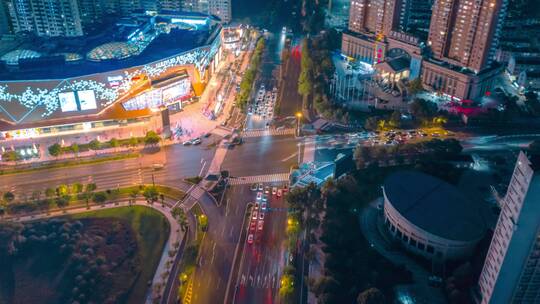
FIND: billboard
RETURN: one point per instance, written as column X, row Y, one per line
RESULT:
column 68, row 102
column 176, row 91
column 87, row 100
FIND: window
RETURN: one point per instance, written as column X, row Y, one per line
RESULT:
column 413, row 242
column 421, row 246
column 430, row 249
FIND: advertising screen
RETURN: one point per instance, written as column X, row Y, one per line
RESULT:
column 176, row 91
column 87, row 100
column 68, row 103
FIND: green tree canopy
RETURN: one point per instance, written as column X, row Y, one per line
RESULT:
column 151, row 138
column 55, row 150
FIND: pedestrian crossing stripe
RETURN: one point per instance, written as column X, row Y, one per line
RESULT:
column 279, row 177
column 268, row 132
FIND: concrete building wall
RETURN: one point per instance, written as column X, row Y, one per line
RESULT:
column 422, row 242
column 511, row 272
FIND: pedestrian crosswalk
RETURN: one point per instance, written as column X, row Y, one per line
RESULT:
column 268, row 132
column 279, row 177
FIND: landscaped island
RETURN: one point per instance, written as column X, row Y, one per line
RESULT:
column 106, row 256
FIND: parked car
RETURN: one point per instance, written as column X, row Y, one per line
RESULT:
column 250, row 239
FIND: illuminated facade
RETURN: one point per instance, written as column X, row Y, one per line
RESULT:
column 115, row 93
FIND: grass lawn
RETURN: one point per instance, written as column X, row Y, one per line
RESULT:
column 152, row 231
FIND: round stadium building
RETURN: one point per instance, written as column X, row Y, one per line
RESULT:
column 430, row 217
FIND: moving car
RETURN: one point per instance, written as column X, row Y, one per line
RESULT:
column 263, row 206
column 274, row 190
column 279, row 193
column 187, row 143
column 253, row 187
column 259, row 196
column 261, row 216
column 157, row 166
column 196, row 141
column 265, row 198
column 260, row 225
column 256, row 206
column 250, row 239
column 254, row 215
column 252, row 225
column 260, row 187
column 266, row 190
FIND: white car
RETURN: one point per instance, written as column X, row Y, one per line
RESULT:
column 254, row 215
column 263, row 206
column 274, row 190
column 259, row 196
column 260, row 225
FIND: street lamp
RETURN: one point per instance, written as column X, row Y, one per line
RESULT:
column 298, row 118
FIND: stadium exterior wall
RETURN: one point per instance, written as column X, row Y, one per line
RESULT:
column 421, row 242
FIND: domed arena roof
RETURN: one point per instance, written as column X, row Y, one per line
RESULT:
column 12, row 58
column 435, row 206
column 112, row 50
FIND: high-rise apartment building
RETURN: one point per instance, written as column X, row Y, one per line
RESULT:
column 219, row 8
column 373, row 16
column 511, row 272
column 466, row 32
column 170, row 5
column 46, row 17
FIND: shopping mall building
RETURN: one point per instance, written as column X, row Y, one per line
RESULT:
column 121, row 76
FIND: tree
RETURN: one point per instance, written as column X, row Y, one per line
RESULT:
column 151, row 138
column 305, row 80
column 55, row 150
column 534, row 147
column 371, row 123
column 151, row 194
column 133, row 141
column 415, row 86
column 133, row 195
column 423, row 109
column 179, row 214
column 395, row 119
column 9, row 197
column 99, row 198
column 63, row 189
column 11, row 156
column 74, row 148
column 114, row 143
column 77, row 188
column 62, row 201
column 371, row 296
column 50, row 192
column 94, row 144
column 91, row 187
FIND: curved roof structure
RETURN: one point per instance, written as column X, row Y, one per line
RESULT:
column 12, row 58
column 435, row 206
column 112, row 50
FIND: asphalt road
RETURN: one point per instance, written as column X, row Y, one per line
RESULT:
column 260, row 264
column 262, row 155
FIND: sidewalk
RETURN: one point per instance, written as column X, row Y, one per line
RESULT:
column 419, row 291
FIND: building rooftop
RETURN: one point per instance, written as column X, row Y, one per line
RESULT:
column 435, row 206
column 116, row 47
